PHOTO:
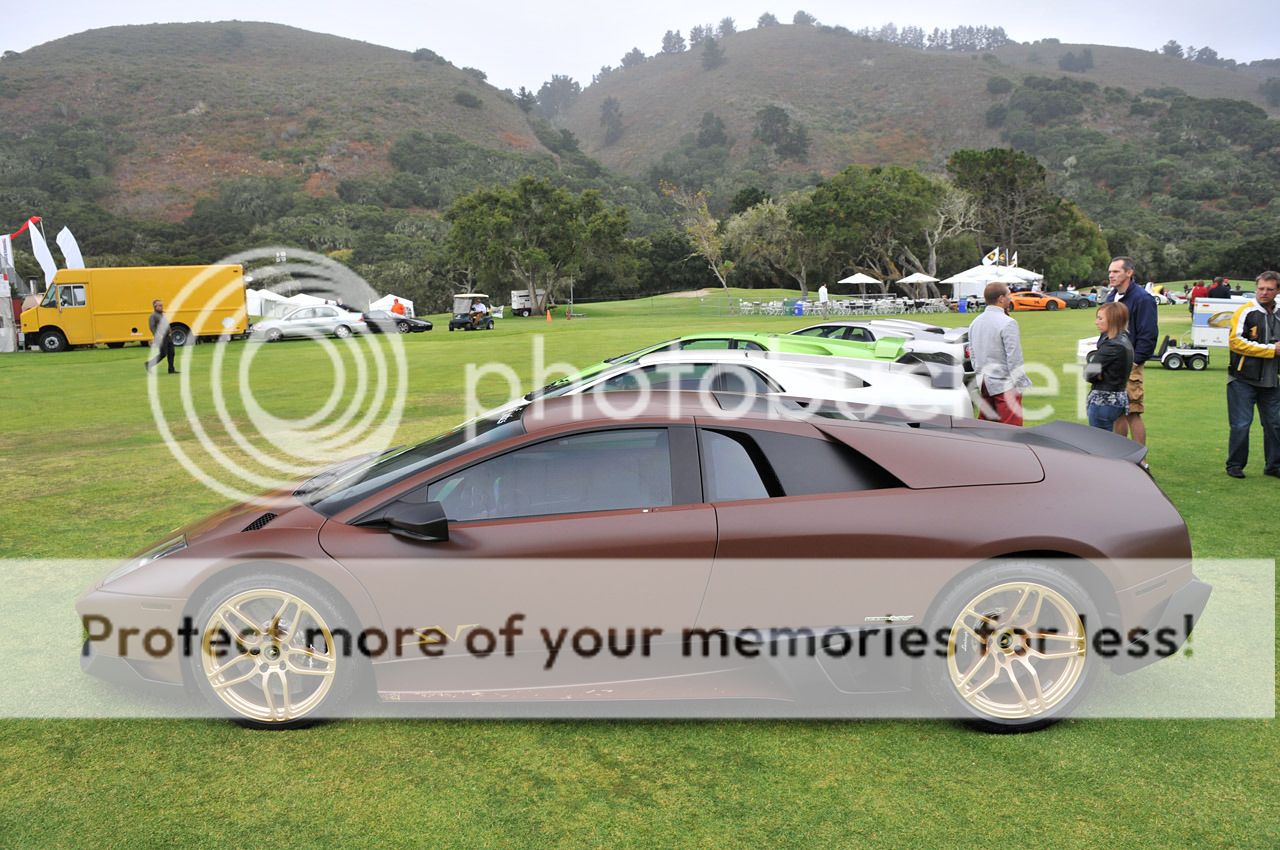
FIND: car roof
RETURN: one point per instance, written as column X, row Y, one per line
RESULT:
column 589, row 410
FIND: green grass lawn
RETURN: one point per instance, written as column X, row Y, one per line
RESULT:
column 87, row 476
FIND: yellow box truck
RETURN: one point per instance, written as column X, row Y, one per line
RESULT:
column 88, row 306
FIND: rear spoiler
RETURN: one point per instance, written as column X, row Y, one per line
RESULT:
column 1067, row 436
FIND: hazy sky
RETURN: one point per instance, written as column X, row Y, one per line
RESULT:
column 525, row 43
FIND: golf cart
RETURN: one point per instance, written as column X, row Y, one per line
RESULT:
column 468, row 320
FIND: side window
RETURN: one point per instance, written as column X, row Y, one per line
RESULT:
column 664, row 376
column 816, row 464
column 706, row 344
column 728, row 472
column 748, row 345
column 71, row 295
column 308, row 313
column 326, row 313
column 732, row 378
column 821, row 331
column 860, row 335
column 599, row 471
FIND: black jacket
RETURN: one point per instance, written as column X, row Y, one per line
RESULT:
column 1110, row 369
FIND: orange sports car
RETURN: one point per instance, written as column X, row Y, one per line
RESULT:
column 1037, row 301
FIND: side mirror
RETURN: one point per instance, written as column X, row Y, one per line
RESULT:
column 424, row 521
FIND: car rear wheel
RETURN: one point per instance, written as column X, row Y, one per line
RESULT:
column 1173, row 361
column 1017, row 656
column 342, row 331
column 267, row 656
column 274, row 335
column 181, row 335
column 1051, row 305
column 1198, row 363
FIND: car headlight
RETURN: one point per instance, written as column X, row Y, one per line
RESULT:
column 168, row 547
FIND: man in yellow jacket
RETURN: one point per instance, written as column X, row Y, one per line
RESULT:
column 1252, row 378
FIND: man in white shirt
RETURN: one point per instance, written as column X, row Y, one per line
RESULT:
column 822, row 299
column 997, row 358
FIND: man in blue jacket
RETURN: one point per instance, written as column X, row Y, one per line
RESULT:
column 1143, row 331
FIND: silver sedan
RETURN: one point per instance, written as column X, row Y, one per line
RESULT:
column 321, row 320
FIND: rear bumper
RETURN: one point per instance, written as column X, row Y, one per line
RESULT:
column 1166, row 631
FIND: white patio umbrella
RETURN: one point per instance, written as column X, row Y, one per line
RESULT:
column 918, row 277
column 858, row 278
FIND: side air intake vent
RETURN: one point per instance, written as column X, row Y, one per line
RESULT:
column 259, row 522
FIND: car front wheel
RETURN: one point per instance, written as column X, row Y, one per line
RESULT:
column 53, row 341
column 403, row 327
column 267, row 655
column 1052, row 305
column 1017, row 655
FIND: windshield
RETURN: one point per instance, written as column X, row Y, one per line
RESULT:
column 338, row 488
column 50, row 297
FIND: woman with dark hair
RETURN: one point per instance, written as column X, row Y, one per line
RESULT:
column 1109, row 371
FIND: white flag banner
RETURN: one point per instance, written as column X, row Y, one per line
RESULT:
column 41, row 249
column 6, row 252
column 70, row 249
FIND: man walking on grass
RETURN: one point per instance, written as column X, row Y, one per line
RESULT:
column 161, row 338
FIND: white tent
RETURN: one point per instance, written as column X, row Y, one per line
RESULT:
column 858, row 278
column 265, row 303
column 918, row 277
column 302, row 299
column 385, row 302
column 970, row 282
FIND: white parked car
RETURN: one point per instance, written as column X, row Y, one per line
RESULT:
column 321, row 320
column 771, row 374
column 932, row 344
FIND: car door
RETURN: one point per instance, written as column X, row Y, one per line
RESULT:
column 326, row 320
column 811, row 533
column 298, row 323
column 74, row 316
column 596, row 529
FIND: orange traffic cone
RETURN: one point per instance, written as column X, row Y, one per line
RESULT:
column 548, row 314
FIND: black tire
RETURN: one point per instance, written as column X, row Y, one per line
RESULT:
column 342, row 332
column 53, row 341
column 489, row 326
column 526, row 313
column 115, row 345
column 1051, row 305
column 181, row 335
column 1198, row 363
column 452, row 329
column 274, row 335
column 1002, row 593
column 1172, row 361
column 275, row 649
column 402, row 327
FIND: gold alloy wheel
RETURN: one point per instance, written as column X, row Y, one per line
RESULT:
column 268, row 655
column 1017, row 651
